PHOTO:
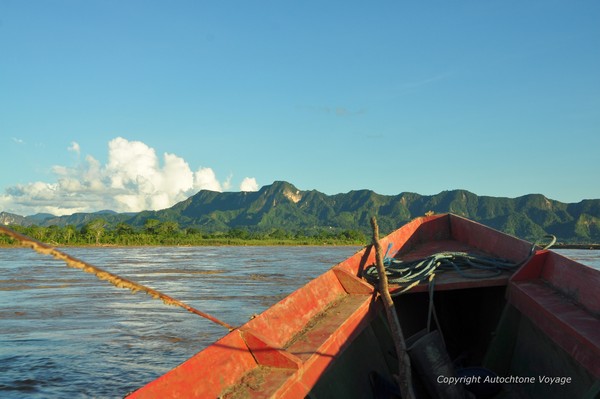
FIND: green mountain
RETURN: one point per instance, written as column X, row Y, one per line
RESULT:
column 282, row 206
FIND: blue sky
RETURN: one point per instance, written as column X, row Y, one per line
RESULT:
column 131, row 105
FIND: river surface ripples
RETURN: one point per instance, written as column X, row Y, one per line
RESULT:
column 64, row 333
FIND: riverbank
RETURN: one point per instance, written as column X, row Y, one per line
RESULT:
column 205, row 243
column 6, row 242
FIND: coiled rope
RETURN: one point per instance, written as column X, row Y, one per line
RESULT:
column 410, row 273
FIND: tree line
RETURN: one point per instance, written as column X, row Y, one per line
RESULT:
column 155, row 232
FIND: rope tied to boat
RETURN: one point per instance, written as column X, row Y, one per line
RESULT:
column 101, row 274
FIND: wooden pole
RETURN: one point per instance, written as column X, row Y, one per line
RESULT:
column 404, row 370
column 115, row 280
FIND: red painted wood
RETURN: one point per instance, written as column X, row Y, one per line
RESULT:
column 206, row 374
column 531, row 270
column 292, row 343
column 488, row 240
column 562, row 297
column 286, row 318
column 351, row 283
column 576, row 281
column 567, row 324
column 326, row 341
column 268, row 354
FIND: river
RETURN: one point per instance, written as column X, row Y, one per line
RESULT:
column 63, row 333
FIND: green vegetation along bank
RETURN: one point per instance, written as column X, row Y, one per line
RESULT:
column 98, row 232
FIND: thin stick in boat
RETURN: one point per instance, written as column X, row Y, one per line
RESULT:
column 404, row 371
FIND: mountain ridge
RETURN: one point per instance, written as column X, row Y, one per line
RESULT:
column 283, row 206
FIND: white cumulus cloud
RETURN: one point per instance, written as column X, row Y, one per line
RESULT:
column 205, row 178
column 249, row 184
column 133, row 179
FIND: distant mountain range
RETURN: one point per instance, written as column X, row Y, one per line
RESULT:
column 282, row 206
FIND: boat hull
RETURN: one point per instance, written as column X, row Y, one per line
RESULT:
column 330, row 338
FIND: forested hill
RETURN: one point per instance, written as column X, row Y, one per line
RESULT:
column 281, row 206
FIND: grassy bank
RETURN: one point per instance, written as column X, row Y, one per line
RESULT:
column 9, row 242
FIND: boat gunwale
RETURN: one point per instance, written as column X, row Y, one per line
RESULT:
column 312, row 299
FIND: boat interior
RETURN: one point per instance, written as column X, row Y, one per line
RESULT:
column 332, row 339
column 516, row 324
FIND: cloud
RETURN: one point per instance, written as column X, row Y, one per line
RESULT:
column 249, row 184
column 133, row 179
column 74, row 147
column 205, row 178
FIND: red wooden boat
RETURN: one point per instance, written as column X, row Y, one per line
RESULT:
column 531, row 331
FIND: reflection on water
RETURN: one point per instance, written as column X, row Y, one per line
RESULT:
column 63, row 333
